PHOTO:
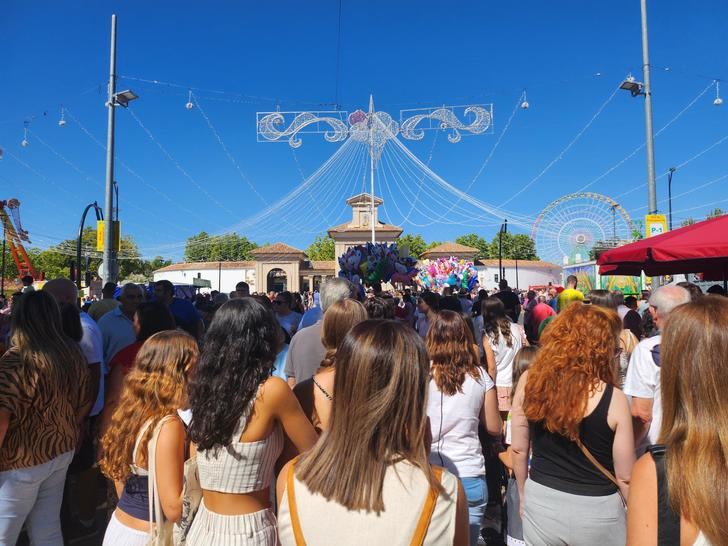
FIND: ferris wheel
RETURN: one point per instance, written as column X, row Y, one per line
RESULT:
column 569, row 228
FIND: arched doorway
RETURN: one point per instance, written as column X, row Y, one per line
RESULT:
column 277, row 280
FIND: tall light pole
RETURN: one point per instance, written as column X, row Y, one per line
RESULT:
column 108, row 271
column 651, row 188
column 503, row 229
column 669, row 195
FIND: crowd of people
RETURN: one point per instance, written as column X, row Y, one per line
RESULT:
column 345, row 416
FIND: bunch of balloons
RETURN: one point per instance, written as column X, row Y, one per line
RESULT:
column 452, row 271
column 376, row 263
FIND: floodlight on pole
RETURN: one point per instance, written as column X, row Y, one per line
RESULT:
column 633, row 86
column 123, row 98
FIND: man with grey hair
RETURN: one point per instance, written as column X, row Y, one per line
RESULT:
column 642, row 383
column 306, row 351
column 117, row 326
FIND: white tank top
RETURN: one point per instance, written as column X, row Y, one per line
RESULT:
column 325, row 523
column 241, row 467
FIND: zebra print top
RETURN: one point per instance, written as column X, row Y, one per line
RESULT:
column 43, row 416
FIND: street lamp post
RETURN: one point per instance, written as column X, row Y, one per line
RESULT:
column 669, row 195
column 639, row 88
column 123, row 98
column 99, row 216
column 503, row 229
column 650, row 145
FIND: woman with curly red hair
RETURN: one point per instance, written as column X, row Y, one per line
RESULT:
column 569, row 413
column 461, row 396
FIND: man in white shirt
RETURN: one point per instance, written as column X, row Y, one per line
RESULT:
column 642, row 383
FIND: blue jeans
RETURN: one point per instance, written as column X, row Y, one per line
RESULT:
column 476, row 491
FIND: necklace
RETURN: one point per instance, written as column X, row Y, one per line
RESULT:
column 326, row 394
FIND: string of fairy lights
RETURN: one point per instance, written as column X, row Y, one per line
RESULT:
column 400, row 171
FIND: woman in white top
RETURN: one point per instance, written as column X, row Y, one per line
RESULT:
column 239, row 416
column 461, row 396
column 678, row 493
column 368, row 481
column 502, row 339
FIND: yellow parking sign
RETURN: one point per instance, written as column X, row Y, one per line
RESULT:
column 655, row 224
column 100, row 234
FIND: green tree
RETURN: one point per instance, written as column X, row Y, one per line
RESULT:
column 689, row 221
column 230, row 247
column 516, row 246
column 322, row 249
column 56, row 261
column 638, row 230
column 475, row 241
column 714, row 213
column 414, row 244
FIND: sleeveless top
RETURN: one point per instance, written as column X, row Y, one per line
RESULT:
column 668, row 521
column 241, row 467
column 134, row 498
column 404, row 493
column 558, row 463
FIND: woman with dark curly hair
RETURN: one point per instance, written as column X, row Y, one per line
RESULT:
column 461, row 396
column 569, row 412
column 239, row 416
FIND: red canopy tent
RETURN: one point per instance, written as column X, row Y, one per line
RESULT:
column 698, row 248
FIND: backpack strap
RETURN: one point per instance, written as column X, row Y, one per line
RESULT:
column 668, row 522
column 427, row 510
column 293, row 508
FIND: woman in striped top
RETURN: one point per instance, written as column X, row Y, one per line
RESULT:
column 239, row 417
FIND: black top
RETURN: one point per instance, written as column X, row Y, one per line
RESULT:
column 558, row 463
column 668, row 522
column 510, row 302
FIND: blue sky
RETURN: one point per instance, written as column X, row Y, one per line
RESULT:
column 568, row 55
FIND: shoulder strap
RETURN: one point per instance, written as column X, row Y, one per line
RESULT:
column 668, row 522
column 596, row 463
column 292, row 507
column 141, row 434
column 601, row 468
column 158, row 531
column 243, row 421
column 426, row 515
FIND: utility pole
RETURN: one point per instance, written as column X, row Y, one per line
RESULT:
column 371, row 164
column 501, row 271
column 109, row 257
column 651, row 187
column 669, row 195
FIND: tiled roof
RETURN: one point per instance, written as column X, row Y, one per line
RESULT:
column 187, row 266
column 276, row 248
column 521, row 263
column 453, row 249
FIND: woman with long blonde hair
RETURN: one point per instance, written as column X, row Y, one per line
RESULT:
column 368, row 479
column 316, row 394
column 153, row 392
column 678, row 492
column 577, row 423
column 461, row 395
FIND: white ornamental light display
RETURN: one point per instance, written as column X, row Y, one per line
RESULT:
column 374, row 128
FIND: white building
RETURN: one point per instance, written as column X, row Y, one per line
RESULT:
column 222, row 276
column 519, row 273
